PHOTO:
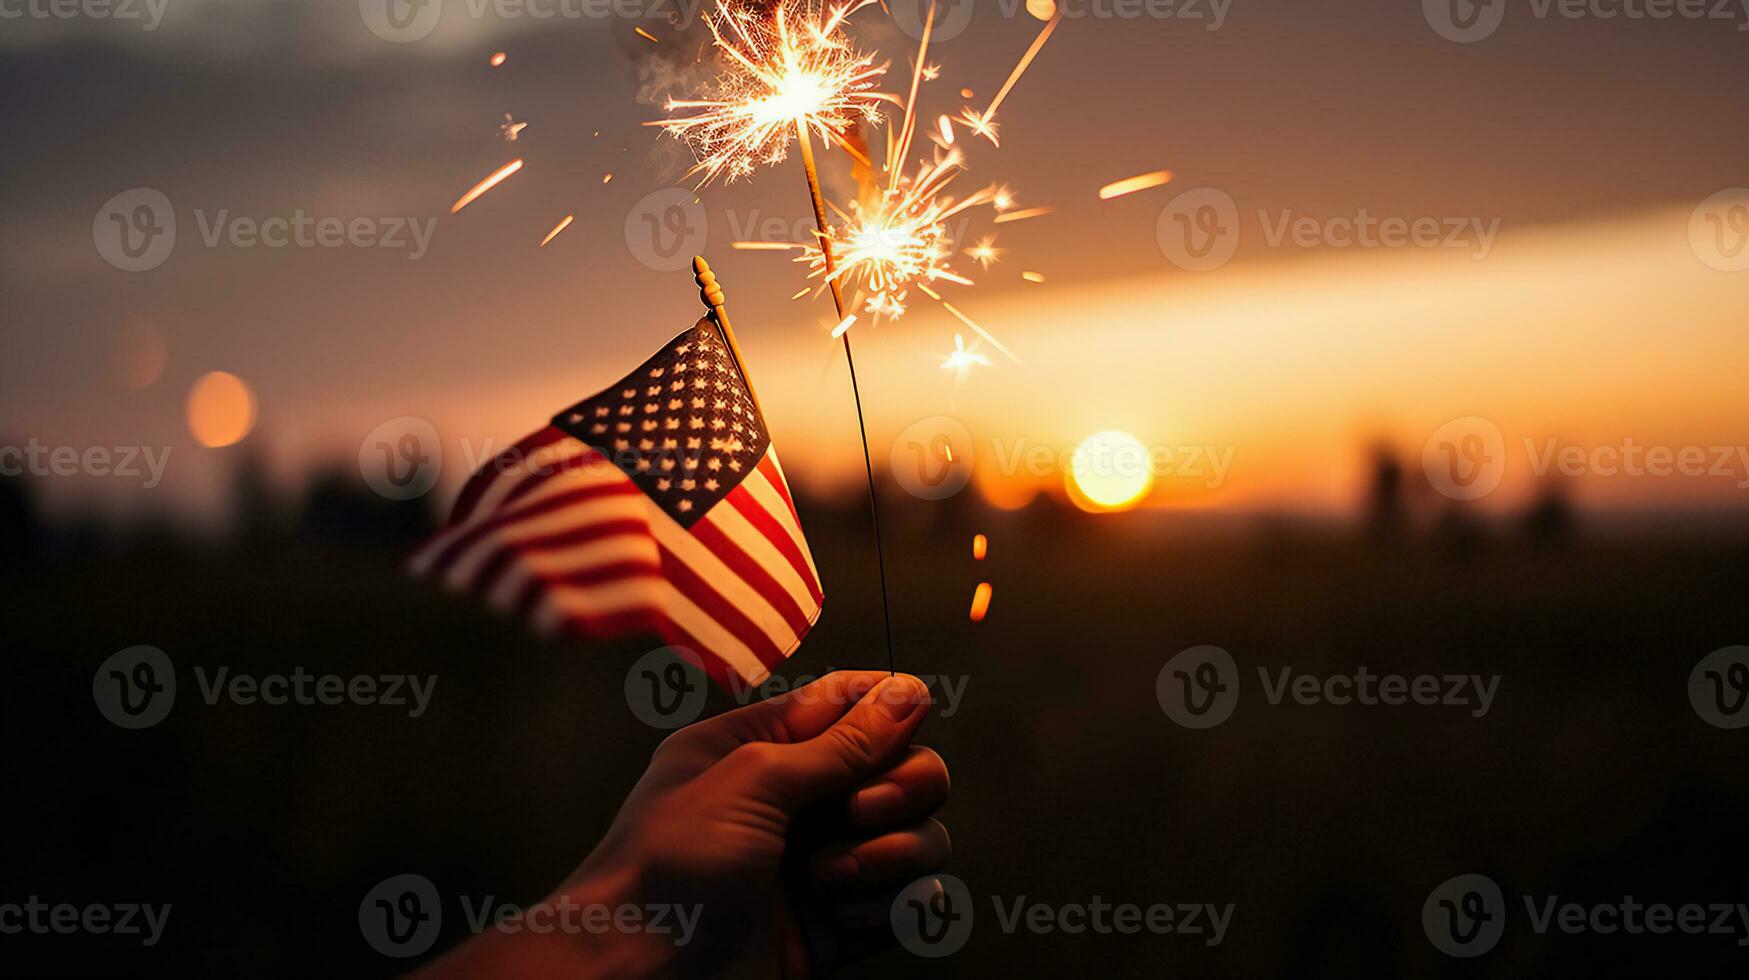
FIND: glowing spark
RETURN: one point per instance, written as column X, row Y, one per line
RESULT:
column 980, row 547
column 790, row 65
column 511, row 128
column 607, row 178
column 1007, row 216
column 984, row 123
column 968, row 321
column 966, row 93
column 1033, row 276
column 646, row 35
column 763, row 246
column 485, row 185
column 561, row 226
column 839, row 330
column 931, row 72
column 946, row 125
column 1004, row 199
column 1042, row 9
column 899, row 240
column 962, row 359
column 802, row 292
column 981, row 602
column 985, row 252
column 499, row 59
column 1130, row 185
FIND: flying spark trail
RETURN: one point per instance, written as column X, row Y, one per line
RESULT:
column 1008, row 216
column 561, row 226
column 485, row 185
column 646, row 35
column 1130, row 185
column 984, row 123
column 1033, row 276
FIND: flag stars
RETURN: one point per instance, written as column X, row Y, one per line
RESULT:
column 684, row 505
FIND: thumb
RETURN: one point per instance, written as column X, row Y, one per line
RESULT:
column 860, row 745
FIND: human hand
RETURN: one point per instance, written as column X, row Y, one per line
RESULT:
column 783, row 827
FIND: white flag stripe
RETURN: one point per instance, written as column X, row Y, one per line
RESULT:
column 533, row 464
column 530, row 565
column 662, row 597
column 617, row 507
column 559, row 483
column 767, row 497
column 738, row 529
column 730, row 585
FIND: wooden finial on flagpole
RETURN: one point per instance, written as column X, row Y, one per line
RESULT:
column 711, row 292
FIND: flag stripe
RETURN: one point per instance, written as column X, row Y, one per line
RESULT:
column 759, row 514
column 489, row 474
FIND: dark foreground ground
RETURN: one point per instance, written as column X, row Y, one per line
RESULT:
column 1591, row 777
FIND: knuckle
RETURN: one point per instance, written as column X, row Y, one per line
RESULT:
column 754, row 756
column 852, row 743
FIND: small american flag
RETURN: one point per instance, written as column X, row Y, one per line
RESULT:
column 656, row 507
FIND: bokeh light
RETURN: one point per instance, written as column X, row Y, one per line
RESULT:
column 221, row 409
column 1109, row 472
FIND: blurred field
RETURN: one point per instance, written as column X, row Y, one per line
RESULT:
column 1591, row 777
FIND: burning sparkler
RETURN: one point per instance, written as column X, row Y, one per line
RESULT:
column 786, row 71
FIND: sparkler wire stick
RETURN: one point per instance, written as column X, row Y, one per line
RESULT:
column 874, row 508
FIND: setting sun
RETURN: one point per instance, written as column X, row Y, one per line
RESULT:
column 221, row 409
column 1109, row 472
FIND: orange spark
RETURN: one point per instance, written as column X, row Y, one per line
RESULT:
column 499, row 59
column 980, row 547
column 646, row 35
column 981, row 602
column 1022, row 215
column 986, row 125
column 1130, row 185
column 1033, row 276
column 839, row 330
column 607, row 178
column 485, row 185
column 561, row 226
column 946, row 125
